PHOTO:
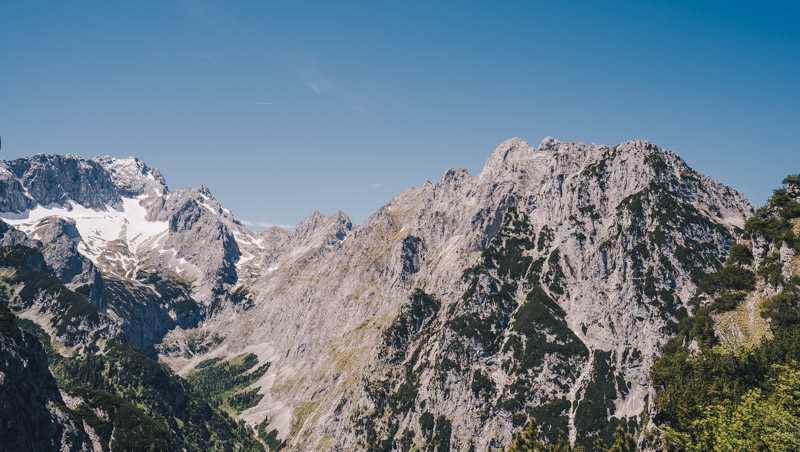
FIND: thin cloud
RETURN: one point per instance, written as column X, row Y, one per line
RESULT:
column 314, row 86
column 319, row 85
column 265, row 224
column 206, row 56
column 367, row 100
column 376, row 185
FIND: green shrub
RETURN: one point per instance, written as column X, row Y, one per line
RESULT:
column 740, row 255
column 729, row 277
column 219, row 381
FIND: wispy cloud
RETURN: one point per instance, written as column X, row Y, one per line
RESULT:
column 206, row 56
column 314, row 86
column 265, row 224
column 319, row 86
column 376, row 185
column 366, row 98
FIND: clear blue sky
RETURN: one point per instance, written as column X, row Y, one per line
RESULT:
column 283, row 108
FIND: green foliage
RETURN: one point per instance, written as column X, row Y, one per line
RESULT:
column 145, row 396
column 545, row 238
column 245, row 399
column 729, row 277
column 791, row 210
column 15, row 256
column 775, row 230
column 727, row 302
column 744, row 398
column 605, row 386
column 395, row 394
column 407, row 440
column 759, row 419
column 656, row 161
column 220, row 381
column 7, row 317
column 72, row 313
column 441, row 436
column 120, row 426
column 784, row 308
column 792, row 179
column 482, row 384
column 555, row 275
column 407, row 324
column 130, row 375
column 270, row 438
column 426, row 423
column 130, row 300
column 771, row 269
column 539, row 317
column 740, row 255
column 552, row 417
column 528, row 440
column 485, row 327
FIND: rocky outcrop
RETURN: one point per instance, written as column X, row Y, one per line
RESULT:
column 196, row 217
column 56, row 179
column 58, row 238
column 28, row 258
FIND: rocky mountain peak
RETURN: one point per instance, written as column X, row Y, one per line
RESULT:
column 548, row 144
column 509, row 152
column 455, row 177
column 46, row 179
column 328, row 228
column 132, row 176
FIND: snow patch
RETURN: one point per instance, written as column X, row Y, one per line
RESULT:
column 125, row 221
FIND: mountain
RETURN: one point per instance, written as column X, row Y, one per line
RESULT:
column 544, row 287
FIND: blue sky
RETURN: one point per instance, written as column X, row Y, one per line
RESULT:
column 283, row 108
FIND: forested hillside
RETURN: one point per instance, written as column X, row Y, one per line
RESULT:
column 110, row 392
column 730, row 379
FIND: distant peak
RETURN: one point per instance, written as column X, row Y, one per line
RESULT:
column 637, row 144
column 336, row 224
column 454, row 175
column 505, row 157
column 201, row 189
column 511, row 150
column 548, row 144
column 132, row 174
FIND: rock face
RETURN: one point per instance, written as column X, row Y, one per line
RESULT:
column 32, row 413
column 555, row 275
column 542, row 287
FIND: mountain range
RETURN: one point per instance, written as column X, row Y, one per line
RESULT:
column 555, row 285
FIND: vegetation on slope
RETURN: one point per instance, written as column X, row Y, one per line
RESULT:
column 715, row 396
column 224, row 382
column 119, row 425
column 528, row 440
column 106, row 372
